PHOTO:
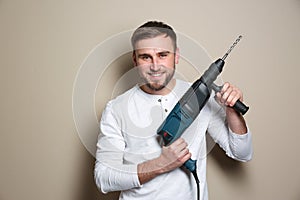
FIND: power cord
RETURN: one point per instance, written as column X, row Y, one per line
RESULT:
column 197, row 182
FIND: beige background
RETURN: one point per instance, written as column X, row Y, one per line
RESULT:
column 43, row 43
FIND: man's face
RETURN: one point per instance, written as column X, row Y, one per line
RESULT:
column 156, row 59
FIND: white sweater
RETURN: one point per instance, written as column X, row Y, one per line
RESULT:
column 128, row 137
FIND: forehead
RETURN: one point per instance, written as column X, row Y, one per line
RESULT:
column 158, row 43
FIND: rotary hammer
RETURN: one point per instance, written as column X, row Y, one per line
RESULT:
column 189, row 106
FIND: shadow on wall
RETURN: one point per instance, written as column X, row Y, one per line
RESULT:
column 232, row 168
column 118, row 77
column 88, row 188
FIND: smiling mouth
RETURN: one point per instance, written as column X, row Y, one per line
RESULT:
column 155, row 74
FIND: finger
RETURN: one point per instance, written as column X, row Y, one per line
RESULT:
column 179, row 148
column 218, row 96
column 226, row 95
column 178, row 141
column 225, row 87
column 232, row 98
column 183, row 152
column 184, row 158
column 178, row 145
column 235, row 95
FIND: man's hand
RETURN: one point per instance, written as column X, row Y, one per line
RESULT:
column 172, row 157
column 228, row 97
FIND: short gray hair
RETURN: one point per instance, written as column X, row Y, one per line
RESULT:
column 153, row 29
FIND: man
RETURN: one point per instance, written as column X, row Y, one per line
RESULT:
column 129, row 156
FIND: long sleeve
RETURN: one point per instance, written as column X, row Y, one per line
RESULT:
column 236, row 146
column 110, row 173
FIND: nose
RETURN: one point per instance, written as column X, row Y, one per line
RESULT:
column 155, row 64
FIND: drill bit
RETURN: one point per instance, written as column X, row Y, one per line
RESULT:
column 232, row 46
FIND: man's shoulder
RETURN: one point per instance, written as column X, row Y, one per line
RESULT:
column 123, row 98
column 182, row 83
column 181, row 86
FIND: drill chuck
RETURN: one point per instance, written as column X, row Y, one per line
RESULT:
column 211, row 74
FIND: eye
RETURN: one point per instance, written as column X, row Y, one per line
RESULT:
column 145, row 57
column 163, row 54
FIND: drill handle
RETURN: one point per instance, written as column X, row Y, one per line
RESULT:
column 190, row 165
column 238, row 106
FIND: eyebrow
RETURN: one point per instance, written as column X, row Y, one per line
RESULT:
column 164, row 52
column 147, row 54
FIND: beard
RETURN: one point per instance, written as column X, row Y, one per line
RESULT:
column 159, row 84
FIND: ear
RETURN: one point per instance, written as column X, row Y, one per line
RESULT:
column 134, row 58
column 177, row 56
